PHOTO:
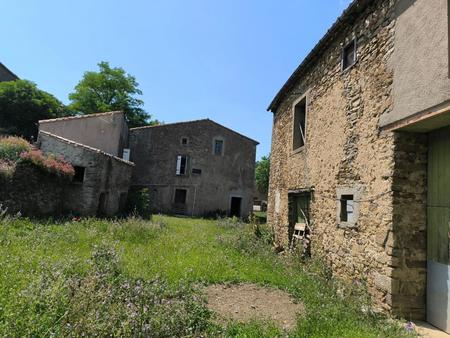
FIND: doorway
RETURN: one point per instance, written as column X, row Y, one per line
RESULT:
column 298, row 204
column 235, row 206
column 438, row 229
column 102, row 204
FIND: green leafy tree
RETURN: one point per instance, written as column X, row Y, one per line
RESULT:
column 22, row 105
column 262, row 174
column 110, row 89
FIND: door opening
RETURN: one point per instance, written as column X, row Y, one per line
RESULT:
column 235, row 206
column 102, row 204
column 298, row 210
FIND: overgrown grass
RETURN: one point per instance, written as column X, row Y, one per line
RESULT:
column 136, row 277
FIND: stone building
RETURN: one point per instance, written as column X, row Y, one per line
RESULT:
column 6, row 74
column 190, row 168
column 91, row 144
column 361, row 149
column 194, row 168
column 104, row 131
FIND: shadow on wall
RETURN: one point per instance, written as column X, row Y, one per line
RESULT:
column 408, row 249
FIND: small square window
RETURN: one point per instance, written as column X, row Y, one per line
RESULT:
column 182, row 161
column 180, row 196
column 349, row 55
column 184, row 141
column 299, row 132
column 347, row 209
column 218, row 147
column 79, row 174
column 196, row 171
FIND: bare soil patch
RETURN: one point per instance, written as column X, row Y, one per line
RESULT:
column 244, row 302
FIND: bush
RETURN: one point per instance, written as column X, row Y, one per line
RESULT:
column 139, row 202
column 11, row 148
column 48, row 163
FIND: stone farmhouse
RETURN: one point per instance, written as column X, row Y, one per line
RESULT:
column 190, row 168
column 94, row 145
column 361, row 152
column 195, row 168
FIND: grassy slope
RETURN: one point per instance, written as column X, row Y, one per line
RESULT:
column 187, row 250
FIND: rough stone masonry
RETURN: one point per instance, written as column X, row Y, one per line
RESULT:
column 345, row 150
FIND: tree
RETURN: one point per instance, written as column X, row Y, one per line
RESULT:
column 22, row 105
column 262, row 173
column 110, row 89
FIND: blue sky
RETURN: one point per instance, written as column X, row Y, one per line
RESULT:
column 221, row 59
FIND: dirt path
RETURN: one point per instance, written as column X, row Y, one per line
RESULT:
column 244, row 302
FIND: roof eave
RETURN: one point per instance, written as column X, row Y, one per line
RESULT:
column 355, row 7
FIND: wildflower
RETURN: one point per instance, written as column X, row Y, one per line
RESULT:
column 410, row 326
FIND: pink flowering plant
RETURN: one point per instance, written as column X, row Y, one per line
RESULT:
column 49, row 163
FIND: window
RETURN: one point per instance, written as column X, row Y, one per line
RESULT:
column 347, row 209
column 218, row 147
column 181, row 165
column 126, row 154
column 349, row 55
column 180, row 196
column 79, row 174
column 184, row 141
column 299, row 134
column 196, row 171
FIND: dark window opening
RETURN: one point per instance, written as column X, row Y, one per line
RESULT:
column 79, row 174
column 180, row 196
column 181, row 165
column 299, row 138
column 347, row 209
column 196, row 171
column 218, row 147
column 184, row 141
column 349, row 55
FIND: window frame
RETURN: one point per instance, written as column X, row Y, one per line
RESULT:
column 294, row 105
column 186, row 165
column 184, row 138
column 215, row 139
column 345, row 47
column 342, row 194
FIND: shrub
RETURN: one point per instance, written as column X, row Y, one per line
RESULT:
column 49, row 163
column 11, row 148
column 139, row 202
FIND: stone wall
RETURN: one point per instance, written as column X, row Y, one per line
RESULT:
column 346, row 150
column 406, row 242
column 154, row 150
column 32, row 192
column 106, row 179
